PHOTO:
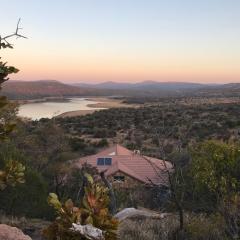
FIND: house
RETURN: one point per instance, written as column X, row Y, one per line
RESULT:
column 128, row 168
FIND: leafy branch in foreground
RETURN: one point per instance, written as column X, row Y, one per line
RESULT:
column 5, row 70
column 93, row 212
column 13, row 171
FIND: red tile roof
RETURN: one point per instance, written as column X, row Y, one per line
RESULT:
column 142, row 168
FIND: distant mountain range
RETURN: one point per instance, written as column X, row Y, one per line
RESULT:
column 51, row 88
column 146, row 85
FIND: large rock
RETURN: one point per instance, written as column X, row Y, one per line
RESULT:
column 12, row 233
column 88, row 231
column 141, row 213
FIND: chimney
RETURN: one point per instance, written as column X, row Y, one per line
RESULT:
column 136, row 151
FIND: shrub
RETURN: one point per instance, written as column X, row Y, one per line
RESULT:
column 27, row 199
column 93, row 210
column 201, row 227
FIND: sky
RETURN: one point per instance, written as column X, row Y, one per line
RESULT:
column 124, row 40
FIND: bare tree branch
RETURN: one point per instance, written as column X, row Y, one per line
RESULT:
column 113, row 207
column 4, row 40
column 172, row 182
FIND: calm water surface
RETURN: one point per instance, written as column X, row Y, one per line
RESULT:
column 36, row 111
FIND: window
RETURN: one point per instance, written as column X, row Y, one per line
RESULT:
column 100, row 161
column 108, row 161
column 119, row 178
column 104, row 161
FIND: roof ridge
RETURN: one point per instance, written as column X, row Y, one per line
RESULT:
column 156, row 166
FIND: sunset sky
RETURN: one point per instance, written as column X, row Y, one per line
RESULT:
column 124, row 40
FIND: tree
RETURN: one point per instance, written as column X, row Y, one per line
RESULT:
column 28, row 199
column 13, row 171
column 5, row 70
column 172, row 173
column 215, row 168
column 215, row 171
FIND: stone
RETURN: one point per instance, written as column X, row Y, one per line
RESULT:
column 12, row 233
column 142, row 213
column 88, row 231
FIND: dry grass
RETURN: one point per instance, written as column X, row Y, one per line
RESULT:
column 13, row 221
column 198, row 227
column 147, row 229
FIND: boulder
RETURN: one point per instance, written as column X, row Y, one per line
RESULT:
column 139, row 213
column 12, row 233
column 88, row 231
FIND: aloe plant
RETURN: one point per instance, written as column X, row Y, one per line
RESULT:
column 93, row 209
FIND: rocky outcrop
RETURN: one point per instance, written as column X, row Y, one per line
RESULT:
column 12, row 233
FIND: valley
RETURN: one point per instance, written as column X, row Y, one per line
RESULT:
column 47, row 89
column 120, row 120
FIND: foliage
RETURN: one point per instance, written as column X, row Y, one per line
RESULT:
column 46, row 150
column 93, row 210
column 12, row 174
column 203, row 227
column 142, row 196
column 198, row 227
column 27, row 199
column 230, row 210
column 5, row 70
column 13, row 171
column 215, row 168
column 5, row 127
column 136, row 127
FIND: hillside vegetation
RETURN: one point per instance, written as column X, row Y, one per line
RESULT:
column 178, row 125
column 193, row 136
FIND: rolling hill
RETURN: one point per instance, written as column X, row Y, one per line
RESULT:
column 145, row 85
column 43, row 88
column 51, row 88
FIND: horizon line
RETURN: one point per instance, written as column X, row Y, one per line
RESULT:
column 123, row 82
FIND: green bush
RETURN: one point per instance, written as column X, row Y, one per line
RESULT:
column 27, row 199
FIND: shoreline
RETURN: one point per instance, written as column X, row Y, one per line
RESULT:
column 102, row 104
column 98, row 103
column 76, row 113
column 41, row 100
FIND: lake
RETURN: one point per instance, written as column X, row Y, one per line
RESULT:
column 39, row 110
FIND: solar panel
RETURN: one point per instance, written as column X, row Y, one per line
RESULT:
column 100, row 161
column 108, row 161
